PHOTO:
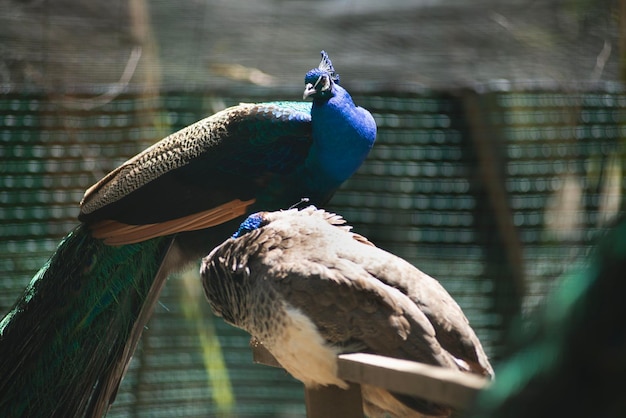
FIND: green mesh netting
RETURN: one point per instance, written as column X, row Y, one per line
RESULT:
column 422, row 194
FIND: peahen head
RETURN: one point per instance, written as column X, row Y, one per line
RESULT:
column 252, row 222
column 319, row 81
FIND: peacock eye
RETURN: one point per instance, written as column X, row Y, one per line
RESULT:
column 322, row 83
column 317, row 83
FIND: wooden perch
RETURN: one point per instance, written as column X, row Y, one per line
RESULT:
column 437, row 384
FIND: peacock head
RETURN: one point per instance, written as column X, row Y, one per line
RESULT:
column 319, row 81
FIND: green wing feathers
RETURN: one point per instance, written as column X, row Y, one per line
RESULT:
column 219, row 158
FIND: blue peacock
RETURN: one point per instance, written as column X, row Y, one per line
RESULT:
column 66, row 344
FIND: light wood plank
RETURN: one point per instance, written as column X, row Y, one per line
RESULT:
column 437, row 384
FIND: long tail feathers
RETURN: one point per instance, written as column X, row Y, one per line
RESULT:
column 66, row 344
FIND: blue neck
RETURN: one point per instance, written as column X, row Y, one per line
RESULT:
column 343, row 135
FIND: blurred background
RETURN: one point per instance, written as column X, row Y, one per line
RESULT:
column 500, row 153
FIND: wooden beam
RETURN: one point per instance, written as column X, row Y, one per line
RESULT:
column 261, row 355
column 437, row 384
column 333, row 402
column 490, row 166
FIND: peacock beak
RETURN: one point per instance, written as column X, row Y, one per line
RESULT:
column 309, row 90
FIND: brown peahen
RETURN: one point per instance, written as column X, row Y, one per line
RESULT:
column 309, row 289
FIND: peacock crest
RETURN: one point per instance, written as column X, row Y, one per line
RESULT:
column 327, row 66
